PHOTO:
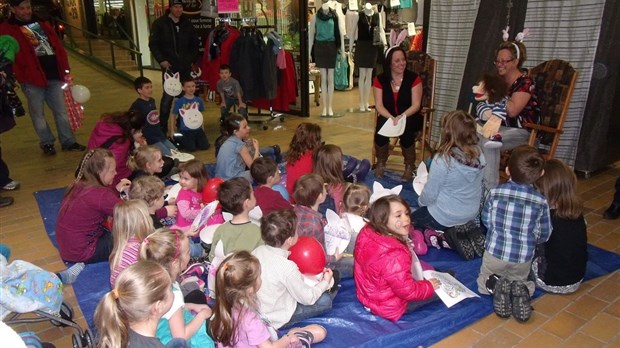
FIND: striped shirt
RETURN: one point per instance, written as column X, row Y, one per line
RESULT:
column 130, row 256
column 517, row 218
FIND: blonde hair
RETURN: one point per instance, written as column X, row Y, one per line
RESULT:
column 356, row 199
column 559, row 185
column 458, row 129
column 142, row 156
column 137, row 289
column 164, row 247
column 131, row 219
column 235, row 287
column 148, row 188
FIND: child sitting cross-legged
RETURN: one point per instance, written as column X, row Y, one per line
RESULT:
column 188, row 110
column 236, row 197
column 517, row 219
column 265, row 173
column 150, row 189
column 237, row 320
column 284, row 297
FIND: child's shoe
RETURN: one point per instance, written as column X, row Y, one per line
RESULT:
column 474, row 233
column 495, row 141
column 501, row 298
column 432, row 238
column 458, row 240
column 521, row 307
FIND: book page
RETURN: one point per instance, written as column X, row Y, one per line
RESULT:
column 451, row 290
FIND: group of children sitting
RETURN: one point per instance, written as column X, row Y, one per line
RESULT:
column 257, row 289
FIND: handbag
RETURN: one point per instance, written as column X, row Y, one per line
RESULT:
column 376, row 37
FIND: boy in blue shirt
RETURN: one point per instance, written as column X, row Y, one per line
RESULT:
column 190, row 120
column 517, row 219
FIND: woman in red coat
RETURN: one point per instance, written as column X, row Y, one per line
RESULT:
column 383, row 271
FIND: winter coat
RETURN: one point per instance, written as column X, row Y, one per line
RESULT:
column 179, row 49
column 383, row 279
column 120, row 147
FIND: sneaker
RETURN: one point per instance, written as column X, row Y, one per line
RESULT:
column 432, row 238
column 6, row 201
column 181, row 156
column 13, row 185
column 502, row 305
column 494, row 142
column 458, row 240
column 491, row 282
column 48, row 149
column 474, row 233
column 521, row 307
column 74, row 147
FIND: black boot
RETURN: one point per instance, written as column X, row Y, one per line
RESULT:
column 612, row 212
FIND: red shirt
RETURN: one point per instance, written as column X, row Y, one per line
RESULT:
column 294, row 171
column 269, row 200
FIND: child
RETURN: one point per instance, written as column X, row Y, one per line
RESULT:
column 231, row 94
column 236, row 197
column 192, row 138
column 560, row 264
column 517, row 218
column 132, row 224
column 383, row 262
column 452, row 194
column 284, row 297
column 237, row 321
column 234, row 157
column 328, row 164
column 83, row 228
column 192, row 178
column 145, row 105
column 356, row 202
column 265, row 173
column 299, row 158
column 147, row 160
column 150, row 189
column 127, row 316
column 309, row 193
column 170, row 248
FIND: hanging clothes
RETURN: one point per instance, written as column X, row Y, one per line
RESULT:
column 286, row 92
column 218, row 49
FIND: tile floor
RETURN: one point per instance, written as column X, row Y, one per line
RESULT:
column 588, row 318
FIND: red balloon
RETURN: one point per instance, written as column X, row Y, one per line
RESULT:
column 309, row 255
column 209, row 192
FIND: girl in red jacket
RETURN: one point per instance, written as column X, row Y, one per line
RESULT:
column 383, row 272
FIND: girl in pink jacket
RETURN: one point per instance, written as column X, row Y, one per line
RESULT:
column 383, row 255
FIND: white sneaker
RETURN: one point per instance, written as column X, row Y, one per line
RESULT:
column 13, row 185
column 182, row 156
column 493, row 144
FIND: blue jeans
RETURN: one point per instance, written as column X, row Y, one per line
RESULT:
column 225, row 110
column 511, row 138
column 422, row 219
column 53, row 95
column 322, row 305
column 165, row 146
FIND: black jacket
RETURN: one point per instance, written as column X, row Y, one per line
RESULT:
column 179, row 49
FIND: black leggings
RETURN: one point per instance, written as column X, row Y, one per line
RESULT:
column 103, row 249
column 407, row 139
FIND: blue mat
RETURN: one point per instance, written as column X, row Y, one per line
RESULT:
column 348, row 324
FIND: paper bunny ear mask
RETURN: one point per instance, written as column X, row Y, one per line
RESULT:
column 379, row 191
column 396, row 39
column 421, row 178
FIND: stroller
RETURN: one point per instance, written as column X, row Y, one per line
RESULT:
column 29, row 294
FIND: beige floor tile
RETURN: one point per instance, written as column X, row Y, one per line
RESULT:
column 563, row 325
column 500, row 337
column 614, row 308
column 603, row 327
column 540, row 338
column 485, row 325
column 606, row 291
column 464, row 338
column 580, row 340
column 587, row 307
column 550, row 304
column 525, row 329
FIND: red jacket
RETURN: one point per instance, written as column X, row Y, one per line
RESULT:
column 120, row 148
column 27, row 67
column 383, row 278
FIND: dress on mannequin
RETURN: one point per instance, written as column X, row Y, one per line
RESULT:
column 365, row 52
column 326, row 35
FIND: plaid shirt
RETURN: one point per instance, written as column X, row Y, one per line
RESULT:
column 310, row 223
column 517, row 218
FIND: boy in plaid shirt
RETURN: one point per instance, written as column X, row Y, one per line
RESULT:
column 517, row 219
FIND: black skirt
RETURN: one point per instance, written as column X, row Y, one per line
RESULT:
column 325, row 54
column 366, row 54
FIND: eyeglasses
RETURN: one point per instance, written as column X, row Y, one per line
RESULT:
column 503, row 62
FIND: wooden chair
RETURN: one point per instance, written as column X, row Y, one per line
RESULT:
column 426, row 67
column 555, row 82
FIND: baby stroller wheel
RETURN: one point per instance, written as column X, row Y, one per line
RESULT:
column 65, row 313
column 88, row 340
column 77, row 341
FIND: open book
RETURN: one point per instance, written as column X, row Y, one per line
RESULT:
column 451, row 290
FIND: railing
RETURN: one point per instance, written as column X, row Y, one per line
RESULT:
column 110, row 63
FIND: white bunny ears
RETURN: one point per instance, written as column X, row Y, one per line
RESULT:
column 396, row 39
column 519, row 37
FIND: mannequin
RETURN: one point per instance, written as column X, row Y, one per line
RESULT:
column 326, row 34
column 365, row 52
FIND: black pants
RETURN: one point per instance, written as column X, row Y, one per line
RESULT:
column 407, row 139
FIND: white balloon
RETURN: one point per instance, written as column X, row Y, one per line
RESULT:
column 80, row 93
